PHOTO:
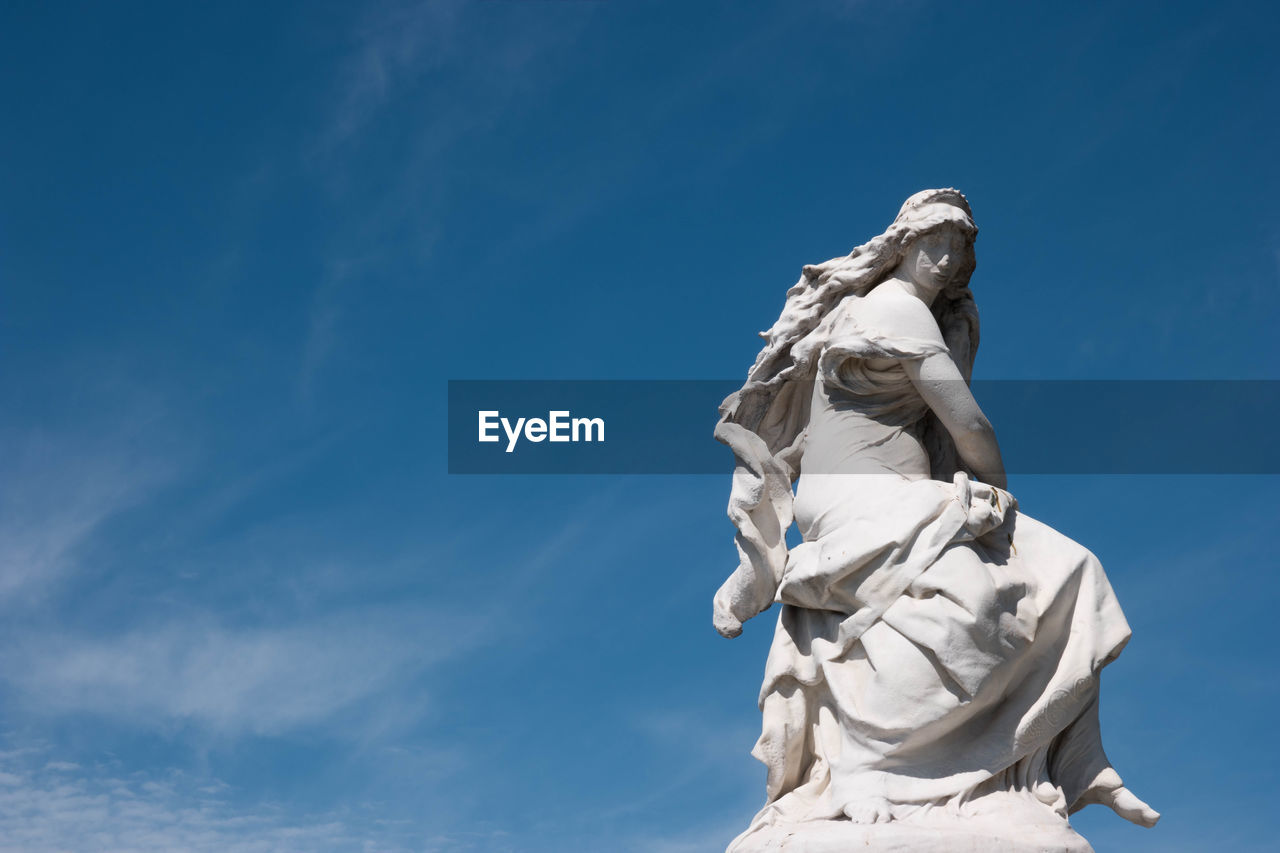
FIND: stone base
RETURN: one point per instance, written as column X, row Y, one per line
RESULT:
column 962, row 836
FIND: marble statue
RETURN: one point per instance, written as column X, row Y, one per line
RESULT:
column 933, row 678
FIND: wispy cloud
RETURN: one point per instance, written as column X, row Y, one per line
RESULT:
column 58, row 486
column 471, row 841
column 703, row 752
column 446, row 73
column 46, row 808
column 323, row 316
column 399, row 44
column 395, row 42
column 234, row 680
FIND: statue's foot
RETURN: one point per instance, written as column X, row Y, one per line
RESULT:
column 870, row 810
column 1109, row 790
column 1124, row 803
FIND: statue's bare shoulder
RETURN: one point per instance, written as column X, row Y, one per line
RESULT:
column 891, row 312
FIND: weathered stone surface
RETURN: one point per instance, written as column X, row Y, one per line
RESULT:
column 829, row 836
column 938, row 651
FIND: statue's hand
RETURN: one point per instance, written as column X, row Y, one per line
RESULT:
column 726, row 623
column 989, row 508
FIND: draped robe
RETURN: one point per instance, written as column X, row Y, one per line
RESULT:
column 935, row 646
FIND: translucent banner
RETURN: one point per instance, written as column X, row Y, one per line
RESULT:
column 1043, row 426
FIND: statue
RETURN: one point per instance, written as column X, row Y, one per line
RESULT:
column 933, row 678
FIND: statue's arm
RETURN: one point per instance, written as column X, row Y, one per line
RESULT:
column 939, row 381
column 942, row 386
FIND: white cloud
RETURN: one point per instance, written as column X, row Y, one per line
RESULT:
column 66, row 766
column 56, row 489
column 235, row 680
column 395, row 41
column 97, row 810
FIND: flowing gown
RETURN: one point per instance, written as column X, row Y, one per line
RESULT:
column 935, row 648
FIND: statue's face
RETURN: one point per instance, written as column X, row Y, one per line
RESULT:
column 932, row 260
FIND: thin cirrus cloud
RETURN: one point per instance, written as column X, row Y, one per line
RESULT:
column 399, row 44
column 46, row 808
column 57, row 489
column 233, row 681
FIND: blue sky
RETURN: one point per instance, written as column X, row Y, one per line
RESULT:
column 243, row 246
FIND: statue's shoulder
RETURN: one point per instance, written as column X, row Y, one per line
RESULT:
column 888, row 312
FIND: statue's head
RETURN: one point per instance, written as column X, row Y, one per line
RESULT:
column 934, row 229
column 937, row 232
column 921, row 205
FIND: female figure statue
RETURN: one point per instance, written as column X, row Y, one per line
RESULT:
column 937, row 653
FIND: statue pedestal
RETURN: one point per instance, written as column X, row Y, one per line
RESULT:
column 959, row 836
